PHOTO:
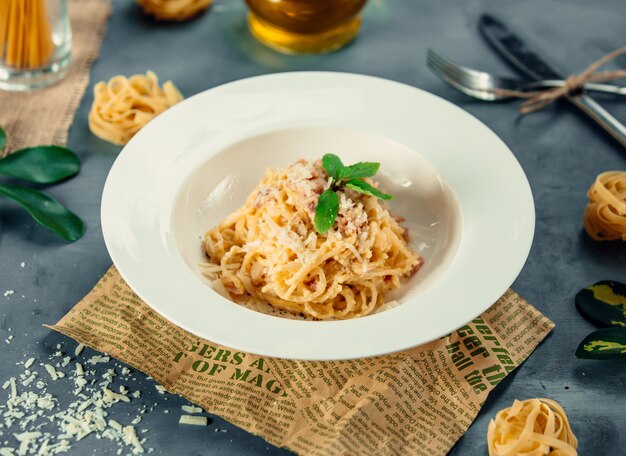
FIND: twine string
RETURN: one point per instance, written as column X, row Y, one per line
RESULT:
column 538, row 99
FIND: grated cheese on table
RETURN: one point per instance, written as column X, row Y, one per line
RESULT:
column 79, row 349
column 130, row 438
column 51, row 371
column 33, row 422
column 191, row 409
column 160, row 389
column 98, row 359
column 194, row 420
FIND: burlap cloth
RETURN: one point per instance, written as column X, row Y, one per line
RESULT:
column 44, row 116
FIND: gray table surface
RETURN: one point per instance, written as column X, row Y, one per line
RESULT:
column 560, row 151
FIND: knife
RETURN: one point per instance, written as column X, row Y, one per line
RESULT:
column 530, row 63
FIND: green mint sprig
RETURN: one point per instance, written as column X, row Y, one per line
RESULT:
column 42, row 165
column 343, row 176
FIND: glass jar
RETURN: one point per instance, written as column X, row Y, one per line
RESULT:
column 35, row 43
column 305, row 26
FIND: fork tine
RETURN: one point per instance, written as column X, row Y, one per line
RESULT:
column 465, row 75
column 456, row 72
column 436, row 62
column 453, row 74
column 444, row 63
column 468, row 77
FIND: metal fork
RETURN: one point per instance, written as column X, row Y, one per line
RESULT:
column 481, row 85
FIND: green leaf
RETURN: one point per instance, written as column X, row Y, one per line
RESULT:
column 333, row 165
column 604, row 302
column 326, row 211
column 607, row 343
column 41, row 164
column 3, row 139
column 46, row 211
column 363, row 187
column 359, row 170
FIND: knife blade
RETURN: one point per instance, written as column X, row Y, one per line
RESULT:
column 530, row 63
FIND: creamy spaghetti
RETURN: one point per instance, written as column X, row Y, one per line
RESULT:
column 534, row 427
column 269, row 252
column 174, row 10
column 25, row 33
column 121, row 107
column 605, row 214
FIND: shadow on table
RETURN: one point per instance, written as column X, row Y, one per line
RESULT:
column 612, row 253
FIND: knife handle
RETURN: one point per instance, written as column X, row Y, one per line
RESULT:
column 604, row 118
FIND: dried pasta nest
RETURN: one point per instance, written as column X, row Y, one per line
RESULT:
column 605, row 215
column 174, row 10
column 122, row 106
column 534, row 427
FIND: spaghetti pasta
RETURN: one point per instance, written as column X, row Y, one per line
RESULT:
column 269, row 252
column 534, row 427
column 121, row 107
column 174, row 10
column 605, row 214
column 25, row 34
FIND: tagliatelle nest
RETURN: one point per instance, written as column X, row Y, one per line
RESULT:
column 605, row 215
column 174, row 10
column 121, row 107
column 534, row 427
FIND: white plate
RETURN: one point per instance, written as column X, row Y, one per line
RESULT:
column 466, row 199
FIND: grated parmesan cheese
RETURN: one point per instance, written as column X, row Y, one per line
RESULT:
column 113, row 396
column 191, row 409
column 79, row 349
column 51, row 371
column 160, row 389
column 130, row 438
column 98, row 359
column 42, row 427
column 194, row 420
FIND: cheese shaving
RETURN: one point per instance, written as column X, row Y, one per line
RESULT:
column 130, row 438
column 79, row 349
column 193, row 420
column 191, row 409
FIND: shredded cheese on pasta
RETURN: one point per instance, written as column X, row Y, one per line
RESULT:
column 605, row 215
column 25, row 33
column 534, row 427
column 121, row 107
column 174, row 10
column 269, row 252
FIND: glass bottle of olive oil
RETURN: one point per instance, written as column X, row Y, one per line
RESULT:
column 305, row 26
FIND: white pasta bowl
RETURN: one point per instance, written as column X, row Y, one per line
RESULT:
column 466, row 200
